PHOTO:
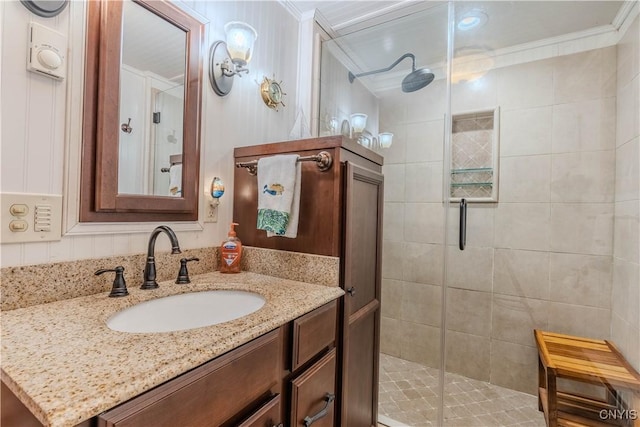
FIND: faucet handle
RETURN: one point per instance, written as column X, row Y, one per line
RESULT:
column 119, row 288
column 183, row 274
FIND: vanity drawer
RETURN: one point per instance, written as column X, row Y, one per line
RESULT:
column 312, row 333
column 268, row 415
column 213, row 394
column 313, row 394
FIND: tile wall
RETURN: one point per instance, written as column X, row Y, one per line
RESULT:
column 542, row 256
column 625, row 296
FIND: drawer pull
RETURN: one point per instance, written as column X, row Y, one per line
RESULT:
column 351, row 291
column 329, row 398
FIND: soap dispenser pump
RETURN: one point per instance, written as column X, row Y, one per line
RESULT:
column 231, row 252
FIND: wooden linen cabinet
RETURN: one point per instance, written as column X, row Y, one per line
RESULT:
column 361, row 262
column 341, row 216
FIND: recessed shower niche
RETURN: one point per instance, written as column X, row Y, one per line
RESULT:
column 475, row 156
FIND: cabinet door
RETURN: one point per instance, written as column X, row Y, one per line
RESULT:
column 360, row 374
column 313, row 394
column 362, row 280
column 363, row 236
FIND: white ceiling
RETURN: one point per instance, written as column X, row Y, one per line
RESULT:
column 373, row 34
column 151, row 44
column 541, row 19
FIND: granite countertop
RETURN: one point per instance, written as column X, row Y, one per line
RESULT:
column 67, row 366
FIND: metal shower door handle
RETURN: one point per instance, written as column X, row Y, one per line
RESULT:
column 463, row 224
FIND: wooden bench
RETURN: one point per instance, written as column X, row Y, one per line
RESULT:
column 588, row 361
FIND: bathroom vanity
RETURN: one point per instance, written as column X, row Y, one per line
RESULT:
column 62, row 366
column 257, row 384
column 340, row 215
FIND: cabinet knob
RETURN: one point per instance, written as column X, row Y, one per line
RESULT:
column 328, row 398
column 351, row 291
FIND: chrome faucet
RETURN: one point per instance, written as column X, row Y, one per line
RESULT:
column 149, row 281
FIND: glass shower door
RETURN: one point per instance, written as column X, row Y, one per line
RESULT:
column 414, row 213
column 533, row 152
column 511, row 191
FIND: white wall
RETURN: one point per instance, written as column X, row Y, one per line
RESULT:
column 34, row 122
column 132, row 146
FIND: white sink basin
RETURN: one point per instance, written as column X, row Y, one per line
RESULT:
column 186, row 311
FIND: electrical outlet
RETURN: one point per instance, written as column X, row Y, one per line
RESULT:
column 211, row 212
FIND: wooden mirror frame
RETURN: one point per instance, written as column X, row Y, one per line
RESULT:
column 99, row 198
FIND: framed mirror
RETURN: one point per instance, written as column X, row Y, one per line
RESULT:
column 141, row 126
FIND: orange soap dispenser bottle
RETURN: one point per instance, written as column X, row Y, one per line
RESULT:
column 231, row 252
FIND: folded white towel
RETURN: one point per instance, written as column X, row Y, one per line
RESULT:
column 292, row 226
column 175, row 180
column 279, row 195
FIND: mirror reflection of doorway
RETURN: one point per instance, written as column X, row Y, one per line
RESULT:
column 152, row 100
column 166, row 136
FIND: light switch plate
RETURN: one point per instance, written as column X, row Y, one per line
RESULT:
column 30, row 217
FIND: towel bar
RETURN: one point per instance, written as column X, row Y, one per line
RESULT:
column 166, row 170
column 323, row 161
column 174, row 159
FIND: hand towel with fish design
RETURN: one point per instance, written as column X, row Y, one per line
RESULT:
column 278, row 190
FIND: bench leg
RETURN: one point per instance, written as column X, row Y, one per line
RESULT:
column 541, row 383
column 612, row 396
column 552, row 398
column 635, row 409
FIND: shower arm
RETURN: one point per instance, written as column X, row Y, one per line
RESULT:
column 352, row 76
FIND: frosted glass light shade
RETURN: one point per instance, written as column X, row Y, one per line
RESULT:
column 358, row 122
column 240, row 38
column 385, row 138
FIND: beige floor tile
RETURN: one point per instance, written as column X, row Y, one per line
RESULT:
column 409, row 395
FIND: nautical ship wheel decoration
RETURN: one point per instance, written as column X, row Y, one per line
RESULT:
column 271, row 92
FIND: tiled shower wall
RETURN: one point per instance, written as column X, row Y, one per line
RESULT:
column 541, row 257
column 625, row 301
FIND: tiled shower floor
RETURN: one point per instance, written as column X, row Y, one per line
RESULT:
column 408, row 395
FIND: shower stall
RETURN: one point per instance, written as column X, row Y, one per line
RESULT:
column 512, row 195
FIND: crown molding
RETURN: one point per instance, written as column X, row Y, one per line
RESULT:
column 291, row 8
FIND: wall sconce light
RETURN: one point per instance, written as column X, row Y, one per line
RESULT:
column 229, row 58
column 385, row 139
column 333, row 125
column 366, row 139
column 358, row 122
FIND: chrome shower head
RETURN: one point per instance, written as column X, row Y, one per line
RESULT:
column 417, row 79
